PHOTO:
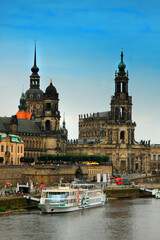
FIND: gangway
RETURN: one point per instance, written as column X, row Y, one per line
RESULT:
column 32, row 198
column 153, row 191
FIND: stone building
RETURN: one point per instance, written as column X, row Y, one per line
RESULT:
column 11, row 148
column 38, row 120
column 155, row 156
column 112, row 133
column 109, row 133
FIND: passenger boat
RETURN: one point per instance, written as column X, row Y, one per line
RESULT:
column 71, row 197
column 157, row 195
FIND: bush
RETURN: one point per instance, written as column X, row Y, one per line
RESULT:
column 2, row 209
column 27, row 160
column 48, row 158
column 14, row 208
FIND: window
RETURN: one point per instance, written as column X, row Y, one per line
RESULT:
column 11, row 148
column 122, row 135
column 18, row 149
column 48, row 106
column 2, row 148
column 48, row 125
column 136, row 166
column 158, row 157
column 154, row 157
column 21, row 149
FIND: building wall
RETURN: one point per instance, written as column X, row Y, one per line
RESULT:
column 11, row 151
column 91, row 127
column 46, row 174
column 123, row 157
column 155, row 156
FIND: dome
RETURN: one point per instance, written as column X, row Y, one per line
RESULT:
column 34, row 94
column 51, row 92
column 122, row 65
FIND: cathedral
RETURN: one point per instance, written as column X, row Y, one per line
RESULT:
column 109, row 133
column 112, row 133
column 37, row 121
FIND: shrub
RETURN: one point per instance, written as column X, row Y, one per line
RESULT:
column 27, row 160
column 2, row 209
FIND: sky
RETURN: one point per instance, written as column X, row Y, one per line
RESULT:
column 79, row 45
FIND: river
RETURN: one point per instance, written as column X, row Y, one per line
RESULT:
column 134, row 219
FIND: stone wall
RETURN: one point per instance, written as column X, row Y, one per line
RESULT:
column 48, row 175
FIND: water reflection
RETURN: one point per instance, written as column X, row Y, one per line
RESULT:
column 119, row 219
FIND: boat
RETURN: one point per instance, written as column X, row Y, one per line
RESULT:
column 71, row 197
column 157, row 195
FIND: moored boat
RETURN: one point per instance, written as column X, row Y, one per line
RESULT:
column 71, row 197
column 157, row 195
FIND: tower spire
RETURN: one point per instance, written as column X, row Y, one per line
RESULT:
column 35, row 55
column 64, row 123
column 35, row 69
column 122, row 65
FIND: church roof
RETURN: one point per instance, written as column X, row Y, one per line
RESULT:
column 23, row 115
column 34, row 94
column 103, row 115
column 51, row 92
column 24, row 126
column 23, row 112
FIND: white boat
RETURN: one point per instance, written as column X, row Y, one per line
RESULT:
column 71, row 197
column 157, row 195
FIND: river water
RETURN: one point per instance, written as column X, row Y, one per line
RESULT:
column 119, row 219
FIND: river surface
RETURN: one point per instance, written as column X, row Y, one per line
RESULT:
column 118, row 220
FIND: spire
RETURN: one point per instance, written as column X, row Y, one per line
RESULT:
column 35, row 69
column 64, row 124
column 23, row 105
column 122, row 65
column 35, row 54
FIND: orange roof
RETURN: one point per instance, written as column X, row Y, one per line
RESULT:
column 23, row 115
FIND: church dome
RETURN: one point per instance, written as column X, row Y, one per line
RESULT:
column 122, row 65
column 51, row 92
column 34, row 94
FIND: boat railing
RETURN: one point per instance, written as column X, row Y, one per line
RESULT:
column 60, row 199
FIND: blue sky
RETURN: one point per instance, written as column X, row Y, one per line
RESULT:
column 78, row 46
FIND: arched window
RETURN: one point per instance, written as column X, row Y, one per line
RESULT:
column 136, row 166
column 48, row 125
column 122, row 135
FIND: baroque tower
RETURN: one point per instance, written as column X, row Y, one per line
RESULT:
column 120, row 128
column 34, row 95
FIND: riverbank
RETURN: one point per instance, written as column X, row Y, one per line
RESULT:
column 15, row 203
column 19, row 203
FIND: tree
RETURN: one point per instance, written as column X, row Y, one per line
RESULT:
column 27, row 160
